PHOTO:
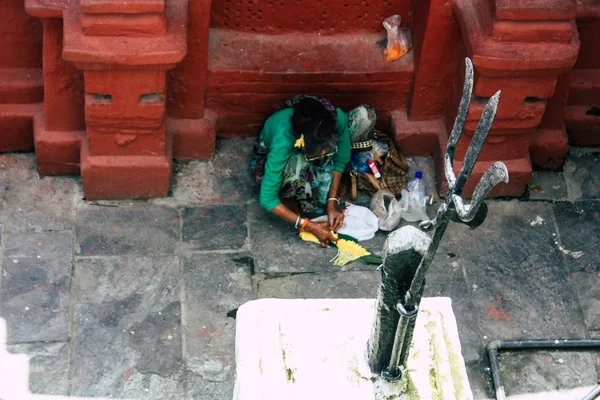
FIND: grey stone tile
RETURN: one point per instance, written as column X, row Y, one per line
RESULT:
column 225, row 178
column 546, row 371
column 332, row 285
column 587, row 287
column 33, row 202
column 48, row 366
column 215, row 286
column 547, row 186
column 42, row 204
column 200, row 389
column 127, row 328
column 36, row 279
column 126, row 230
column 215, row 227
column 582, row 175
column 277, row 249
column 18, row 167
column 520, row 287
column 579, row 230
column 446, row 278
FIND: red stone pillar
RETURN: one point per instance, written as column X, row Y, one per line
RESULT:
column 21, row 80
column 125, row 50
column 582, row 117
column 191, row 125
column 59, row 128
column 520, row 48
column 420, row 130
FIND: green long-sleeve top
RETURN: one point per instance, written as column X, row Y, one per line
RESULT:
column 279, row 138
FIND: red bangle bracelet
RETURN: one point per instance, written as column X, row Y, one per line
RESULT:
column 303, row 225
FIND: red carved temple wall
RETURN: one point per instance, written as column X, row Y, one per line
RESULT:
column 113, row 88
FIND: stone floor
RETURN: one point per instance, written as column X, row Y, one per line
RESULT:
column 137, row 299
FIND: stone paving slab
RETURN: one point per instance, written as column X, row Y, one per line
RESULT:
column 521, row 288
column 446, row 278
column 579, row 228
column 587, row 286
column 539, row 372
column 48, row 366
column 215, row 227
column 328, row 285
column 582, row 174
column 42, row 204
column 225, row 178
column 215, row 286
column 35, row 286
column 276, row 248
column 126, row 230
column 547, row 185
column 127, row 328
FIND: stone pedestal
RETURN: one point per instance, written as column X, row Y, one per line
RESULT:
column 316, row 349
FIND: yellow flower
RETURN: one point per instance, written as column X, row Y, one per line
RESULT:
column 299, row 143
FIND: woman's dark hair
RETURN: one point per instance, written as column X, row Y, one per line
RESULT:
column 316, row 123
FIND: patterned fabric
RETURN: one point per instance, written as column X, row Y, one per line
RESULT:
column 309, row 182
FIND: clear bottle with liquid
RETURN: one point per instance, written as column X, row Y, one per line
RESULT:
column 417, row 187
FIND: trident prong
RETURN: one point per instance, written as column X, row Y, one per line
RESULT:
column 494, row 175
column 459, row 124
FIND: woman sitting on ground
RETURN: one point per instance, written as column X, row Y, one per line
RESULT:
column 299, row 159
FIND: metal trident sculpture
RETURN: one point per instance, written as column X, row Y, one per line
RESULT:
column 408, row 284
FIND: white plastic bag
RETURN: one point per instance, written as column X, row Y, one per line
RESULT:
column 378, row 202
column 388, row 217
column 359, row 222
column 413, row 206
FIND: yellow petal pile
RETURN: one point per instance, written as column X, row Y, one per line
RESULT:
column 299, row 143
column 348, row 250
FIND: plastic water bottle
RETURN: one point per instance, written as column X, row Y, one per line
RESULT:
column 416, row 187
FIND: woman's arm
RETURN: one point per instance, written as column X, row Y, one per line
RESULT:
column 334, row 216
column 320, row 230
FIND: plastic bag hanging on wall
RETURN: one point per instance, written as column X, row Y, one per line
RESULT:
column 397, row 42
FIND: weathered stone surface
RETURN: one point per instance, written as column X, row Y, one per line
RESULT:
column 126, row 230
column 547, row 186
column 587, row 287
column 35, row 286
column 520, row 288
column 331, row 285
column 579, row 231
column 446, row 278
column 215, row 286
column 35, row 203
column 546, row 371
column 582, row 174
column 225, row 178
column 519, row 285
column 127, row 328
column 48, row 366
column 277, row 250
column 215, row 227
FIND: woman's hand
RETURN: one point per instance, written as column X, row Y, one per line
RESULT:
column 321, row 231
column 334, row 216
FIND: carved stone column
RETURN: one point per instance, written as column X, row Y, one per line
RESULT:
column 124, row 49
column 520, row 48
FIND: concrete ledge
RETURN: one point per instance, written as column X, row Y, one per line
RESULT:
column 315, row 349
